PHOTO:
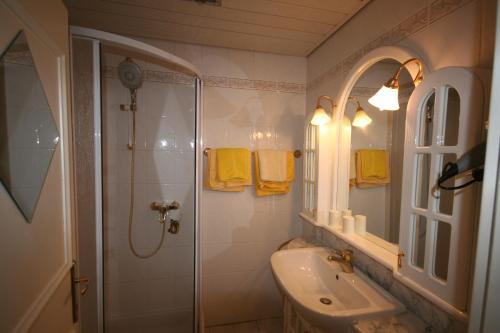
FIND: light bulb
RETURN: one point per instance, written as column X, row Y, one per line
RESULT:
column 320, row 117
column 385, row 99
column 361, row 119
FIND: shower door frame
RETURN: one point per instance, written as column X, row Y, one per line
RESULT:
column 97, row 37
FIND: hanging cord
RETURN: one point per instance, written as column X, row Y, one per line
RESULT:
column 133, row 109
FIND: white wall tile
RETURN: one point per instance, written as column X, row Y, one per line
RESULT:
column 252, row 119
column 164, row 171
column 237, row 227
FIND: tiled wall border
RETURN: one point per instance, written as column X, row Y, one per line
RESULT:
column 416, row 22
column 19, row 54
column 215, row 81
column 152, row 76
column 369, row 91
column 236, row 83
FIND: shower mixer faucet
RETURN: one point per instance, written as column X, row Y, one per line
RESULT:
column 163, row 208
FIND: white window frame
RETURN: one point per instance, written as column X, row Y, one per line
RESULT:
column 453, row 291
column 310, row 170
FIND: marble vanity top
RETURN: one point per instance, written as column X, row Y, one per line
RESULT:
column 403, row 323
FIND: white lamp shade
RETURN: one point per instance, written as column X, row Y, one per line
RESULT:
column 320, row 117
column 361, row 119
column 385, row 99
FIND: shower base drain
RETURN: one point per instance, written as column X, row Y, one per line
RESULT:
column 325, row 300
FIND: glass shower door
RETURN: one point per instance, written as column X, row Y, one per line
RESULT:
column 148, row 282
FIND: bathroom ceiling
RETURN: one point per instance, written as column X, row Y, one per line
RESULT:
column 292, row 27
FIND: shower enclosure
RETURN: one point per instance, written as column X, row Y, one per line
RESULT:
column 137, row 121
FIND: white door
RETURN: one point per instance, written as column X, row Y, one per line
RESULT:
column 444, row 120
column 35, row 192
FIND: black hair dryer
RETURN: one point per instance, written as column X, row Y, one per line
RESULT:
column 471, row 162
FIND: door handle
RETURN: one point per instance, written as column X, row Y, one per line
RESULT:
column 75, row 287
column 82, row 281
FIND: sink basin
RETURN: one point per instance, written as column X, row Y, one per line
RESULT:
column 309, row 281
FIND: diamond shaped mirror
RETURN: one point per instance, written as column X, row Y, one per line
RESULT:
column 28, row 133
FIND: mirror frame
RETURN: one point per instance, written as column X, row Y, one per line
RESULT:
column 340, row 170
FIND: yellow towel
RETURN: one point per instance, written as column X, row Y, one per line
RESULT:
column 372, row 168
column 233, row 164
column 373, row 163
column 265, row 188
column 273, row 165
column 211, row 181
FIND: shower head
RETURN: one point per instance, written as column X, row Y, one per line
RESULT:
column 130, row 74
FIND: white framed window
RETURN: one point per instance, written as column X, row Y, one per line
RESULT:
column 444, row 120
column 310, row 179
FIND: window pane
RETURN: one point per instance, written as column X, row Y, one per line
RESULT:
column 313, row 166
column 313, row 137
column 426, row 117
column 312, row 196
column 451, row 124
column 442, row 250
column 422, row 180
column 419, row 233
column 446, row 197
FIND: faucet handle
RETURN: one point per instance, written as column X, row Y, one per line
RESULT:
column 344, row 254
column 347, row 254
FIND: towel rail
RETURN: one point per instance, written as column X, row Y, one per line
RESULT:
column 297, row 153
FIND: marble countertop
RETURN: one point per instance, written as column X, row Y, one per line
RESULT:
column 403, row 323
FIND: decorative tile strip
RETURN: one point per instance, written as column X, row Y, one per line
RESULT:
column 153, row 76
column 441, row 8
column 236, row 83
column 416, row 22
column 18, row 58
column 214, row 81
column 358, row 91
column 363, row 91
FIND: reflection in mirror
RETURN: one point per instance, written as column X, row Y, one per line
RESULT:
column 425, row 118
column 422, row 180
column 451, row 124
column 419, row 235
column 377, row 152
column 446, row 197
column 28, row 134
column 442, row 250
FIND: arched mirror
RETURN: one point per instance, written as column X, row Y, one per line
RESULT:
column 367, row 177
column 376, row 150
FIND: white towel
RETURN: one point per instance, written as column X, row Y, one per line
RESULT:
column 273, row 165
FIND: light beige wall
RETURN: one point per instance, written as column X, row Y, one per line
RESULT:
column 35, row 258
column 443, row 33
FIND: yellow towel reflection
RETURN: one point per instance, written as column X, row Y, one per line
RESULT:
column 372, row 168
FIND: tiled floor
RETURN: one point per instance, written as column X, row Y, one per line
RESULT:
column 274, row 325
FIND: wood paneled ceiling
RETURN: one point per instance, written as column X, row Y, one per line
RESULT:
column 292, row 27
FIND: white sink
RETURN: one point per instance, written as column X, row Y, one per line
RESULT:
column 305, row 276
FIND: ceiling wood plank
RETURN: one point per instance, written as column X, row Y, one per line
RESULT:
column 180, row 33
column 340, row 6
column 291, row 27
column 284, row 10
column 198, row 22
column 196, row 9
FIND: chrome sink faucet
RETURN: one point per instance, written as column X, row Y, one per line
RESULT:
column 343, row 257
